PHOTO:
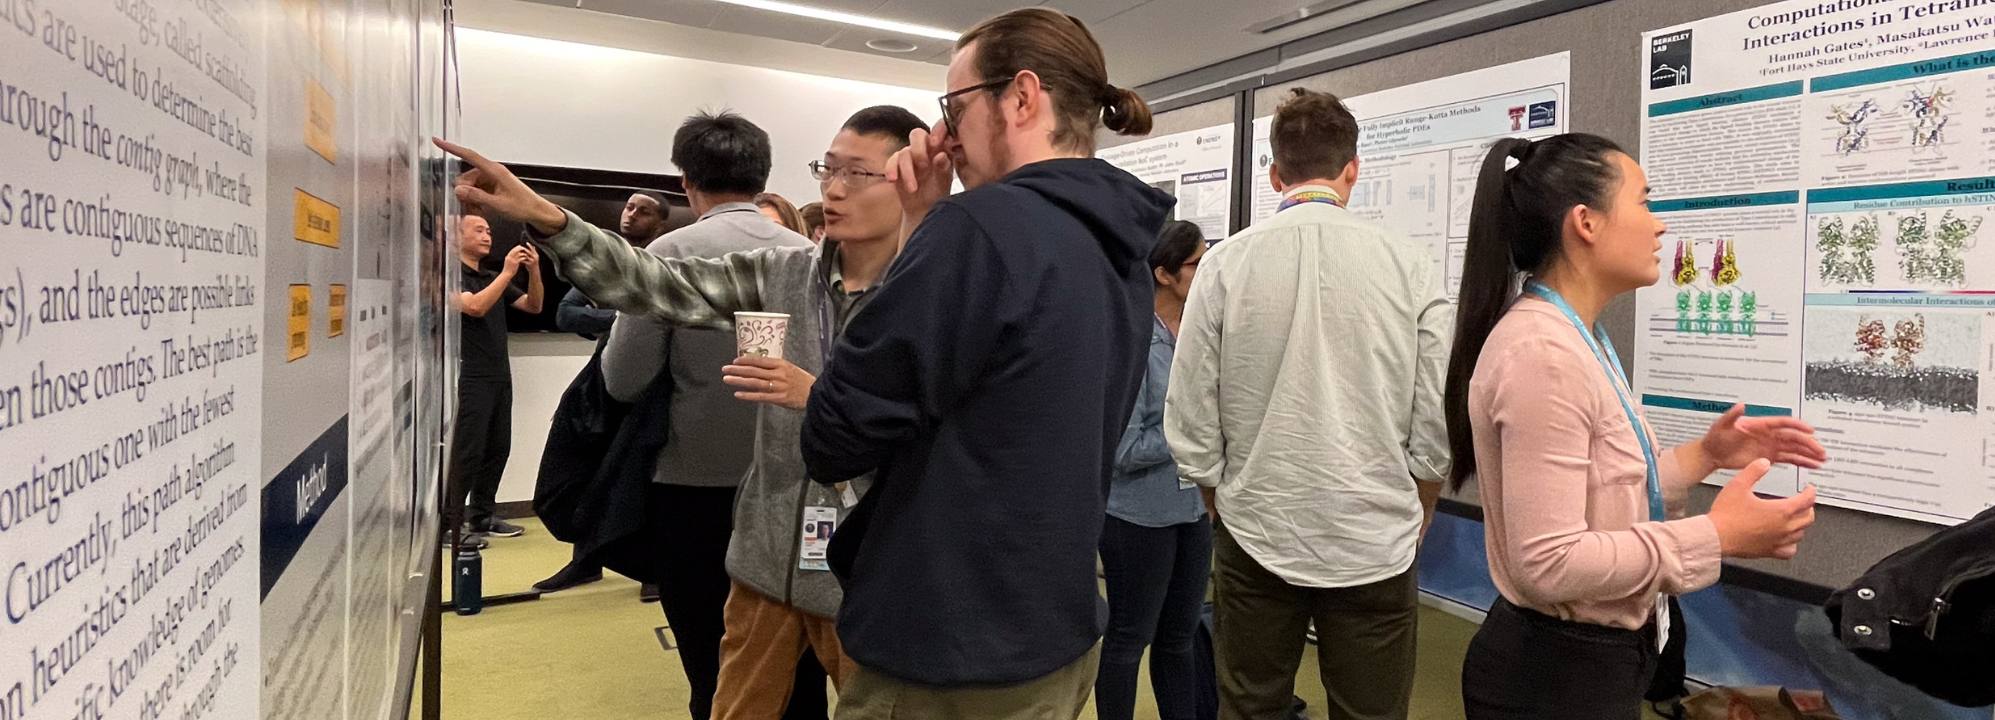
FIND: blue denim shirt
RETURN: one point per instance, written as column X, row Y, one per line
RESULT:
column 1145, row 489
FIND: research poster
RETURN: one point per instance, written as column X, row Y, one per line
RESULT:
column 1420, row 146
column 133, row 141
column 1825, row 169
column 1195, row 166
column 191, row 339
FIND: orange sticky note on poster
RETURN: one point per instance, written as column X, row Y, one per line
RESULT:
column 315, row 221
column 299, row 329
column 321, row 121
column 336, row 312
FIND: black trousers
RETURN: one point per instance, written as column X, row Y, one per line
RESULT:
column 480, row 445
column 693, row 587
column 1156, row 591
column 1525, row 665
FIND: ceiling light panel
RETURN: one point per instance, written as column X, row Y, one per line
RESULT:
column 845, row 18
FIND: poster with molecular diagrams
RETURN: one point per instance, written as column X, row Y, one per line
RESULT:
column 1826, row 173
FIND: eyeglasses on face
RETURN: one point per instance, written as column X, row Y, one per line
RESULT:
column 949, row 110
column 855, row 177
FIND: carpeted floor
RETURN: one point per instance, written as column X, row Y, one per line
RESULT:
column 595, row 651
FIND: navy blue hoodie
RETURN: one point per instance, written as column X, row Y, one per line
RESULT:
column 988, row 381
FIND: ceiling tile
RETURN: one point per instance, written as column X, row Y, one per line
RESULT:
column 862, row 7
column 748, row 21
column 854, row 39
column 957, row 15
column 697, row 13
column 1094, row 11
column 1153, row 40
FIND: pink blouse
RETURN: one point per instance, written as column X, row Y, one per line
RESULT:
column 1564, row 485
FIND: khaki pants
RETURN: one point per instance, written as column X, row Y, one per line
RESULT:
column 759, row 654
column 1059, row 695
column 1364, row 640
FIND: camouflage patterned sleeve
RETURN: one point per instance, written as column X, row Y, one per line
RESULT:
column 689, row 292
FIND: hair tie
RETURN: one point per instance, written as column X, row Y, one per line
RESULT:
column 1518, row 152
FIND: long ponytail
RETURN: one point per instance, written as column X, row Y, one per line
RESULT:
column 1515, row 225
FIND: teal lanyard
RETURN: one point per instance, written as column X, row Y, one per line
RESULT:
column 1611, row 364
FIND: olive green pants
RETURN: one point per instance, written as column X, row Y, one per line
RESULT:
column 1059, row 695
column 1364, row 640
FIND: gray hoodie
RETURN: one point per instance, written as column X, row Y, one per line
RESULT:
column 705, row 293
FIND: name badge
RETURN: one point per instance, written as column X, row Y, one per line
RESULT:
column 819, row 523
column 1662, row 621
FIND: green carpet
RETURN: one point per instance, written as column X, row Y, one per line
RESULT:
column 594, row 651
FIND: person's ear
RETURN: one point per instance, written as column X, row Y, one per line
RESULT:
column 1275, row 179
column 1163, row 279
column 1025, row 97
column 1350, row 174
column 1585, row 223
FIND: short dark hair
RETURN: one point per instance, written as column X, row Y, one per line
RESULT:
column 1314, row 136
column 722, row 153
column 1175, row 244
column 885, row 121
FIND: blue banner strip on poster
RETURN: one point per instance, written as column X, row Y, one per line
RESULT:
column 298, row 497
column 1898, row 299
column 1980, row 60
column 1724, row 202
column 1714, row 407
column 1724, row 99
column 1927, row 188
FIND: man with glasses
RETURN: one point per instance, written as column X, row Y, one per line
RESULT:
column 784, row 596
column 990, row 383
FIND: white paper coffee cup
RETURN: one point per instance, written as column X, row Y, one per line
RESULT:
column 760, row 334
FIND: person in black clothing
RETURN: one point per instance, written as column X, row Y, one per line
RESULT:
column 989, row 382
column 483, row 436
column 643, row 220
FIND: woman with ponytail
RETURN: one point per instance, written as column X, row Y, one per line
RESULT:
column 1586, row 530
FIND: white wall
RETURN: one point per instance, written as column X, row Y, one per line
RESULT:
column 543, row 365
column 551, row 102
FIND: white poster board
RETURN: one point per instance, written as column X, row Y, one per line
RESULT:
column 1825, row 174
column 1420, row 146
column 132, row 249
column 1196, row 166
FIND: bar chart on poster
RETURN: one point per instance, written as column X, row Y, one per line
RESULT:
column 177, row 202
column 1420, row 146
column 1826, row 170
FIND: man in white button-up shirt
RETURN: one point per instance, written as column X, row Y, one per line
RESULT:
column 1307, row 399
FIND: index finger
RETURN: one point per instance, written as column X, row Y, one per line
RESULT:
column 939, row 138
column 760, row 361
column 466, row 154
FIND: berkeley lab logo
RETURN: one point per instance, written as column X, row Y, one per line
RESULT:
column 1669, row 60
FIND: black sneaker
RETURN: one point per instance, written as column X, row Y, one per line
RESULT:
column 500, row 528
column 647, row 592
column 569, row 576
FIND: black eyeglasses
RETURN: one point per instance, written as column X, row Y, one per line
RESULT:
column 855, row 177
column 949, row 110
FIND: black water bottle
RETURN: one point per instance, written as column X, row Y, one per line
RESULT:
column 469, row 592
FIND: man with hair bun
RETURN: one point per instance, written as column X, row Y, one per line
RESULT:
column 989, row 382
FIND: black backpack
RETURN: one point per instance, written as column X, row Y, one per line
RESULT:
column 585, row 424
column 1926, row 614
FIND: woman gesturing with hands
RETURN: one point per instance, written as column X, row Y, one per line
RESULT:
column 1585, row 518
